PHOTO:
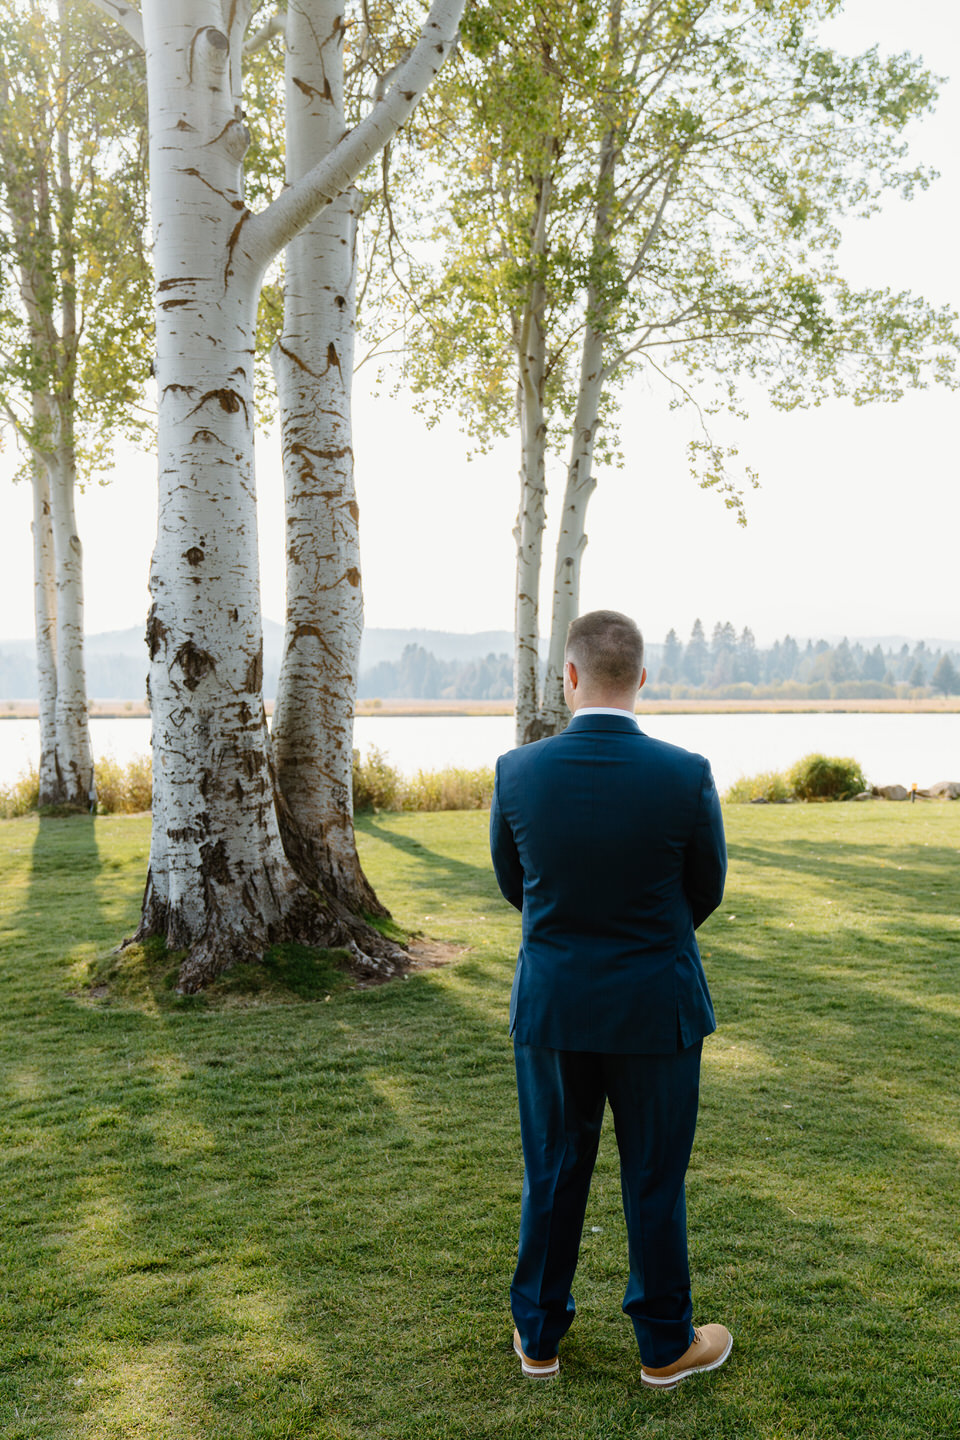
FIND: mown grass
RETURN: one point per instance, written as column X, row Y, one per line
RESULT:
column 234, row 1218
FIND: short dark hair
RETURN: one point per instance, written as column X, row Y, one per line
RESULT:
column 607, row 648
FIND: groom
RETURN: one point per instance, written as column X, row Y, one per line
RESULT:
column 611, row 844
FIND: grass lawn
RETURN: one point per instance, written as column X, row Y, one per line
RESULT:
column 277, row 1214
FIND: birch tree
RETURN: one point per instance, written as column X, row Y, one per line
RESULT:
column 220, row 885
column 72, row 322
column 654, row 185
column 313, row 361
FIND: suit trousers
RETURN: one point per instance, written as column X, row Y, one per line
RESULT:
column 654, row 1103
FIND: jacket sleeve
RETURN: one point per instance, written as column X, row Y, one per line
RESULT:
column 705, row 864
column 503, row 850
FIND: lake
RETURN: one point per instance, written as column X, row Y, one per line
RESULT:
column 893, row 749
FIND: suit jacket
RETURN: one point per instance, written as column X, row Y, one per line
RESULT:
column 611, row 843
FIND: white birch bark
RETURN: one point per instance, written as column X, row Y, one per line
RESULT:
column 313, row 363
column 531, row 520
column 581, row 481
column 45, row 619
column 74, row 757
column 572, row 539
column 219, row 881
column 531, row 516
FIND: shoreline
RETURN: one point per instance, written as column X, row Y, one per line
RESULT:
column 119, row 709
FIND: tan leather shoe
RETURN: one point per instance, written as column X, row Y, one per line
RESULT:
column 711, row 1346
column 535, row 1369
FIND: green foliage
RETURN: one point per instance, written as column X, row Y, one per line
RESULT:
column 675, row 175
column 770, row 785
column 124, row 789
column 75, row 287
column 453, row 788
column 378, row 786
column 121, row 789
column 826, row 777
column 376, row 783
column 22, row 795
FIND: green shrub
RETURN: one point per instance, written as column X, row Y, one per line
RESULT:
column 450, row 789
column 124, row 789
column 22, row 795
column 378, row 786
column 826, row 777
column 376, row 783
column 768, row 785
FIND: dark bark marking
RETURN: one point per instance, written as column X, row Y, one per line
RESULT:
column 194, row 555
column 332, row 357
column 234, row 614
column 213, row 862
column 206, row 435
column 300, row 449
column 184, row 125
column 354, row 509
column 295, row 360
column 249, row 899
column 230, row 401
column 195, row 664
column 353, row 576
column 180, row 280
column 253, row 679
column 174, row 389
column 305, row 629
column 175, row 304
column 311, row 92
column 156, row 633
column 232, row 242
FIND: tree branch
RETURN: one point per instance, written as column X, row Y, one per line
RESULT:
column 276, row 25
column 124, row 15
column 266, row 234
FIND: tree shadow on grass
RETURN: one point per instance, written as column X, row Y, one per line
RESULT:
column 930, row 870
column 302, row 1221
column 466, row 873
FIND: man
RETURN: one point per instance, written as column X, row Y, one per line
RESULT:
column 611, row 844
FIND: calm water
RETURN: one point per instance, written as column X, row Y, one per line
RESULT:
column 893, row 749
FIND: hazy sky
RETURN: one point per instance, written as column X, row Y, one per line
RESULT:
column 854, row 530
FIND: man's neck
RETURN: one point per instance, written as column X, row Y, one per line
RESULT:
column 603, row 710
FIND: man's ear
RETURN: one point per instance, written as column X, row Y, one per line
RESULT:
column 643, row 678
column 573, row 673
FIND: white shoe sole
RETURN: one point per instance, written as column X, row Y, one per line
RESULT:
column 538, row 1372
column 670, row 1382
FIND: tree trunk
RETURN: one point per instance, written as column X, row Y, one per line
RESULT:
column 529, row 537
column 581, row 482
column 572, row 540
column 313, row 364
column 532, row 515
column 219, row 884
column 45, row 616
column 74, row 758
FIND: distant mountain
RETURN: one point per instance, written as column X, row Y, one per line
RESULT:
column 117, row 659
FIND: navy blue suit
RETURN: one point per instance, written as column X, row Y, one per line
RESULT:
column 611, row 844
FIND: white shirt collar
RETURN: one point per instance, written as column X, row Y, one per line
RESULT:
column 604, row 710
